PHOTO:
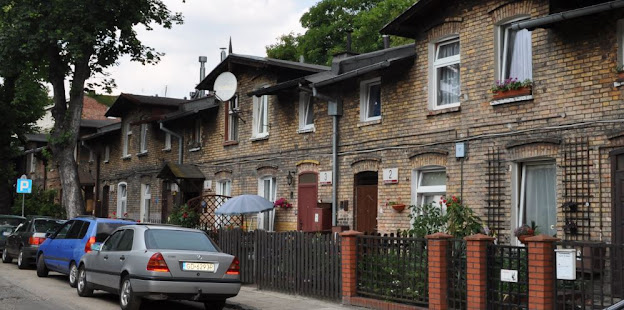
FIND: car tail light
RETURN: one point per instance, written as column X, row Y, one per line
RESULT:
column 35, row 240
column 88, row 245
column 234, row 267
column 157, row 263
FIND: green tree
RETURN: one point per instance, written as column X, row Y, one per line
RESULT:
column 39, row 202
column 72, row 39
column 326, row 25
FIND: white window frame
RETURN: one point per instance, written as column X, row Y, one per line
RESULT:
column 305, row 102
column 435, row 64
column 143, row 139
column 91, row 156
column 167, row 142
column 270, row 215
column 146, row 202
column 32, row 162
column 224, row 188
column 365, row 97
column 418, row 191
column 260, row 129
column 233, row 110
column 106, row 154
column 126, row 140
column 500, row 36
column 122, row 199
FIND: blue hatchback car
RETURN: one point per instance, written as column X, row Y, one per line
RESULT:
column 63, row 249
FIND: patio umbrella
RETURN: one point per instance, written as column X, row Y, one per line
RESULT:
column 244, row 204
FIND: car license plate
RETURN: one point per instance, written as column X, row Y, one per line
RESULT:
column 209, row 267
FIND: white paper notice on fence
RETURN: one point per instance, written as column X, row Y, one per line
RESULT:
column 509, row 275
column 566, row 264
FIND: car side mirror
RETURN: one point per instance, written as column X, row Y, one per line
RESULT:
column 96, row 247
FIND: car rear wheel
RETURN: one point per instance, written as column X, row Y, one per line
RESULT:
column 6, row 258
column 214, row 305
column 42, row 269
column 21, row 263
column 82, row 286
column 73, row 274
column 127, row 299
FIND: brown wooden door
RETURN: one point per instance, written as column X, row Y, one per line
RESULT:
column 167, row 201
column 617, row 174
column 104, row 208
column 306, row 201
column 366, row 208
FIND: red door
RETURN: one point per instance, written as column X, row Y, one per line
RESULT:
column 306, row 201
column 617, row 217
column 366, row 202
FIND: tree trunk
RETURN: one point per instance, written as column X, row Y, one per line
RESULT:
column 64, row 137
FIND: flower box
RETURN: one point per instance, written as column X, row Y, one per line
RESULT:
column 620, row 77
column 522, row 91
column 399, row 207
column 523, row 238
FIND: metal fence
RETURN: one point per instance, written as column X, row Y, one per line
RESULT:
column 508, row 277
column 457, row 281
column 292, row 262
column 599, row 277
column 392, row 268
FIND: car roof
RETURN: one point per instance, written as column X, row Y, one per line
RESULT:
column 103, row 219
column 148, row 226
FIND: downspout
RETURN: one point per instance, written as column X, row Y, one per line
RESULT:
column 180, row 141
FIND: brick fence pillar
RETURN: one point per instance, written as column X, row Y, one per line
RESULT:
column 541, row 272
column 349, row 263
column 476, row 269
column 437, row 245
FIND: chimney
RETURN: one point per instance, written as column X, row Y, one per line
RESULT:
column 223, row 53
column 346, row 54
column 202, row 72
column 386, row 41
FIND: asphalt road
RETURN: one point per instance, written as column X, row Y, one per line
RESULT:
column 23, row 290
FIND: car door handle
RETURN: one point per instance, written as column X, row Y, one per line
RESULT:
column 105, row 256
column 122, row 257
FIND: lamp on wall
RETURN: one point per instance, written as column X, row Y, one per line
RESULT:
column 290, row 177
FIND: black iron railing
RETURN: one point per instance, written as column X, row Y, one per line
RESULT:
column 392, row 268
column 507, row 277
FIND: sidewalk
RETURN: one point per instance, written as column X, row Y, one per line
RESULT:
column 251, row 298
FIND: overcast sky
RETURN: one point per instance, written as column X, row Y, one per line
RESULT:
column 208, row 25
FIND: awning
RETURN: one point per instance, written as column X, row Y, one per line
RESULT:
column 172, row 171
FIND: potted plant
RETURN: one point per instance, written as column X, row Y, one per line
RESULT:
column 396, row 205
column 524, row 232
column 619, row 70
column 570, row 206
column 282, row 203
column 570, row 228
column 511, row 87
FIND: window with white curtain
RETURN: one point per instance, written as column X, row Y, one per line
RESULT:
column 306, row 112
column 514, row 52
column 91, row 156
column 267, row 188
column 126, row 139
column 167, row 141
column 260, row 117
column 620, row 40
column 233, row 110
column 429, row 186
column 370, row 100
column 146, row 202
column 33, row 162
column 446, row 78
column 122, row 199
column 143, row 144
column 196, row 136
column 106, row 154
column 536, row 194
column 224, row 188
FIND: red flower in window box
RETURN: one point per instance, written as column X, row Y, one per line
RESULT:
column 511, row 87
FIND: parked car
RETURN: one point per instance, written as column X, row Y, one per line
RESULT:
column 160, row 262
column 62, row 250
column 7, row 226
column 24, row 242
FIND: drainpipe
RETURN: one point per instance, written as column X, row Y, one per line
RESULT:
column 180, row 141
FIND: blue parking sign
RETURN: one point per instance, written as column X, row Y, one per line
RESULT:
column 24, row 186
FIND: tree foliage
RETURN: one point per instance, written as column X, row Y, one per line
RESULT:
column 72, row 39
column 327, row 23
column 39, row 202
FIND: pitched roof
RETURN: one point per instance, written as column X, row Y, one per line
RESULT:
column 97, row 123
column 255, row 61
column 126, row 101
column 412, row 20
column 104, row 130
column 191, row 107
column 172, row 171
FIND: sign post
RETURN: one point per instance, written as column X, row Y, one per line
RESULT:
column 24, row 186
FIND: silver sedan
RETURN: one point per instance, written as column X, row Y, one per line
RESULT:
column 159, row 262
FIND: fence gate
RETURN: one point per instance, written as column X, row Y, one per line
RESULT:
column 457, row 281
column 508, row 277
column 206, row 205
column 242, row 245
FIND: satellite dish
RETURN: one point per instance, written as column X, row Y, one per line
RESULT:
column 225, row 86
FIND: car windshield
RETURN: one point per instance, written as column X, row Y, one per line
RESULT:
column 105, row 229
column 42, row 226
column 167, row 239
column 11, row 221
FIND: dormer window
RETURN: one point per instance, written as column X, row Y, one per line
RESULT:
column 306, row 113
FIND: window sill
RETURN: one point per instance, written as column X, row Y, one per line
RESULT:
column 142, row 154
column 196, row 149
column 369, row 123
column 306, row 130
column 166, row 150
column 230, row 143
column 511, row 100
column 260, row 138
column 126, row 157
column 618, row 83
column 444, row 111
column 106, row 161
